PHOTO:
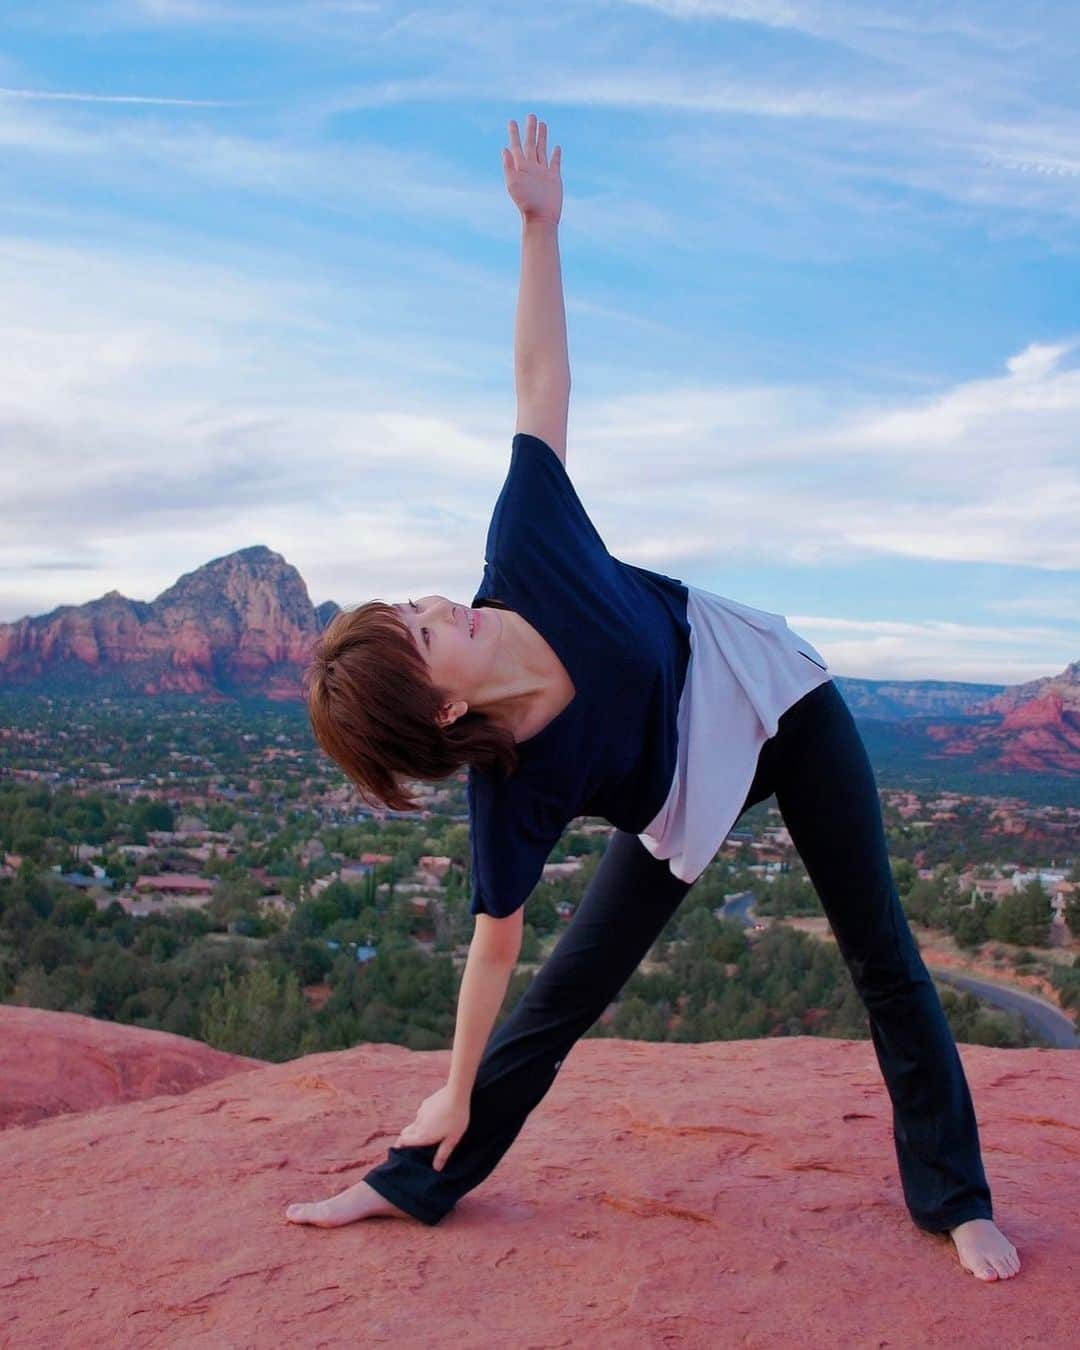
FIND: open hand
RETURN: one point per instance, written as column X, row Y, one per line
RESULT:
column 533, row 184
column 441, row 1119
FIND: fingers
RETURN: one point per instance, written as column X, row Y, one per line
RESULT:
column 535, row 148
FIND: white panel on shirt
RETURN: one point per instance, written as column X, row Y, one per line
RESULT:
column 746, row 667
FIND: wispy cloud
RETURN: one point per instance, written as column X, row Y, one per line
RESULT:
column 251, row 14
column 917, row 32
column 362, row 178
column 968, row 81
column 943, row 102
column 63, row 96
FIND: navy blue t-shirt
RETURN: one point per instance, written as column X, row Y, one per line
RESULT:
column 622, row 634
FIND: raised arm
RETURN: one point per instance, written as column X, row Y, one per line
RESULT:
column 541, row 360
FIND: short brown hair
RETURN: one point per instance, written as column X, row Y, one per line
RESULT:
column 373, row 705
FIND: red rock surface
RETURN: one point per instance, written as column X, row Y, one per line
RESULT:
column 663, row 1195
column 54, row 1063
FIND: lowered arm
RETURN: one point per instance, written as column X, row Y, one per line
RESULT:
column 493, row 954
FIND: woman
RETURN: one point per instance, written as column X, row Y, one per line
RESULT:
column 577, row 684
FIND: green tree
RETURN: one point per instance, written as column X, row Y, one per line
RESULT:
column 50, row 948
column 1066, row 979
column 542, row 913
column 34, row 989
column 115, row 975
column 969, row 925
column 1072, row 913
column 923, row 903
column 155, row 815
column 530, row 943
column 258, row 1015
column 311, row 961
column 905, row 874
column 1023, row 918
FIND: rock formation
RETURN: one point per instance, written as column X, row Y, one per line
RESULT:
column 241, row 624
column 1032, row 727
column 54, row 1063
column 697, row 1197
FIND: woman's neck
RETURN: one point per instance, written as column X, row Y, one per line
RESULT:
column 539, row 686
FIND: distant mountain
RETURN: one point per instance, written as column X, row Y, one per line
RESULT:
column 1032, row 727
column 899, row 700
column 241, row 624
column 326, row 611
column 979, row 731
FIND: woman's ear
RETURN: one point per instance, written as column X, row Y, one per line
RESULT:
column 449, row 713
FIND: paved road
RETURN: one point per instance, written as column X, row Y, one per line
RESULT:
column 1050, row 1022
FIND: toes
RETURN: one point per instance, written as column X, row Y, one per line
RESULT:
column 1006, row 1263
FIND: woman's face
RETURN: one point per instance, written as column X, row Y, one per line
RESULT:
column 456, row 642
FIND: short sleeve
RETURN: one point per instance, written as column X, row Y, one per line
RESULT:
column 513, row 826
column 540, row 533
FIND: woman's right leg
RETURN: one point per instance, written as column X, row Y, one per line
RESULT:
column 625, row 907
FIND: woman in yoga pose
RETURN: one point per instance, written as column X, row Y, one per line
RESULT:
column 577, row 684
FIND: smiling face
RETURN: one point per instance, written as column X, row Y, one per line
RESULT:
column 457, row 644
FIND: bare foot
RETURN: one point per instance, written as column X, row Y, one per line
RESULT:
column 985, row 1250
column 358, row 1202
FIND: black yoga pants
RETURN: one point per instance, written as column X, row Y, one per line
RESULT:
column 818, row 767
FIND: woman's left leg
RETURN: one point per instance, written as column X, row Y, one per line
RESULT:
column 828, row 799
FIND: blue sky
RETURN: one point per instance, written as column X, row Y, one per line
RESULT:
column 821, row 269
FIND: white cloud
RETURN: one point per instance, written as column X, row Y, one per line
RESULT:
column 1014, row 410
column 892, row 649
column 156, row 415
column 1038, row 360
